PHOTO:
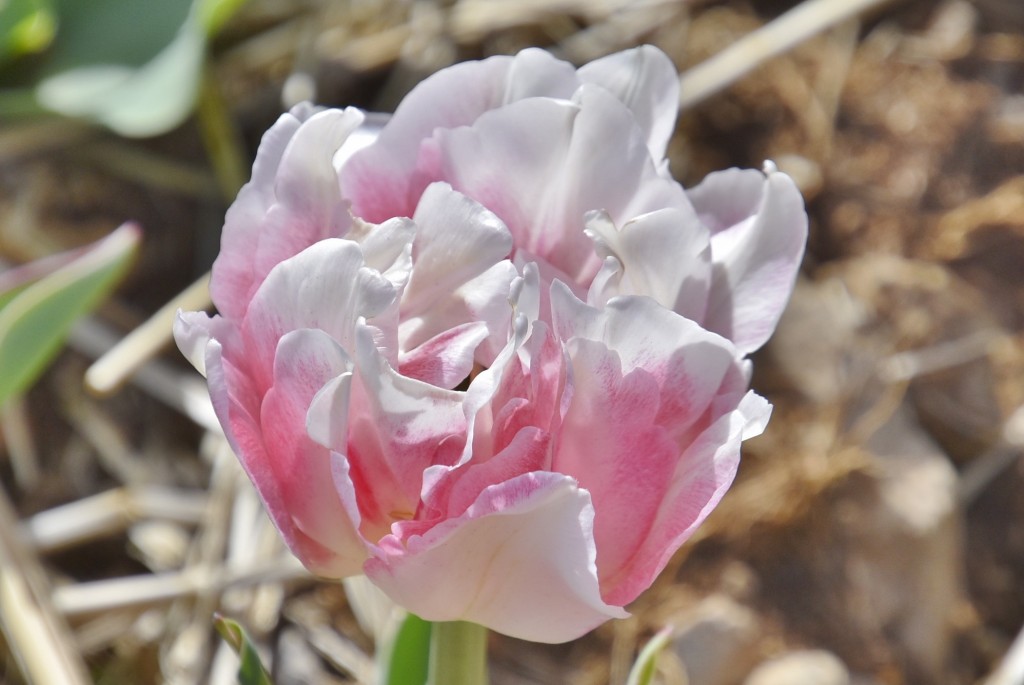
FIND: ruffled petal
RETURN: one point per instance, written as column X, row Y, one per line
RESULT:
column 398, row 428
column 300, row 468
column 446, row 359
column 326, row 287
column 645, row 382
column 460, row 274
column 193, row 332
column 758, row 232
column 703, row 473
column 382, row 181
column 665, row 255
column 519, row 561
column 292, row 201
column 542, row 164
column 457, row 240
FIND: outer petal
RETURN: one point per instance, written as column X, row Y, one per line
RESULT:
column 645, row 383
column 381, row 180
column 299, row 469
column 291, row 202
column 193, row 332
column 645, row 80
column 758, row 233
column 237, row 405
column 519, row 561
column 703, row 474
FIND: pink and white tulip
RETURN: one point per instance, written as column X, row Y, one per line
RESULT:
column 495, row 360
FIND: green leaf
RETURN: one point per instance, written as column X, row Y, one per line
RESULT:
column 250, row 670
column 646, row 664
column 406, row 662
column 134, row 102
column 213, row 14
column 26, row 27
column 41, row 301
column 134, row 66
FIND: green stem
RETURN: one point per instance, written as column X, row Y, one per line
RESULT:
column 221, row 137
column 458, row 654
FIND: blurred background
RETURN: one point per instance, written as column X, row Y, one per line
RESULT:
column 875, row 535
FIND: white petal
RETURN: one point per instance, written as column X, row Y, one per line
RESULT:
column 483, row 299
column 327, row 417
column 759, row 230
column 192, row 332
column 383, row 244
column 520, row 561
column 457, row 240
column 665, row 255
column 324, row 287
column 541, row 164
column 645, row 80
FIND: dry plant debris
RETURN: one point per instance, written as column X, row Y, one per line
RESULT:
column 875, row 532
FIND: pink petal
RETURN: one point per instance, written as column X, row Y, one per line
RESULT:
column 519, row 561
column 525, row 400
column 398, row 427
column 446, row 359
column 644, row 383
column 237, row 405
column 758, row 232
column 300, row 468
column 703, row 474
column 381, row 180
column 291, row 202
column 645, row 80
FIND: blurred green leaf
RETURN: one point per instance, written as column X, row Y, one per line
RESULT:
column 250, row 670
column 646, row 664
column 39, row 303
column 134, row 66
column 135, row 102
column 406, row 661
column 26, row 26
column 214, row 13
column 123, row 32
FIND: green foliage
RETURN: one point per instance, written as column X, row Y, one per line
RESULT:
column 250, row 669
column 214, row 13
column 40, row 302
column 134, row 66
column 646, row 664
column 406, row 660
column 26, row 26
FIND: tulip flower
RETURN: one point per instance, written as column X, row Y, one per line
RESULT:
column 495, row 359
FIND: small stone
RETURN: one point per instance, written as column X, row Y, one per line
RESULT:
column 715, row 641
column 807, row 667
